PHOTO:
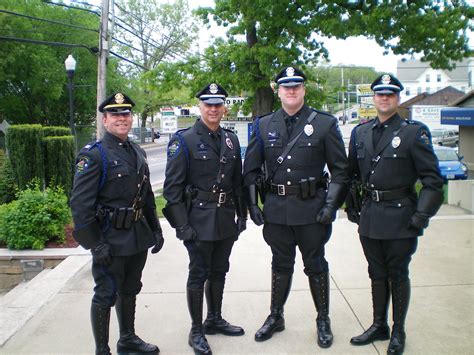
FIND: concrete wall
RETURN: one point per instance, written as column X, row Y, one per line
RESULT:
column 461, row 193
column 466, row 145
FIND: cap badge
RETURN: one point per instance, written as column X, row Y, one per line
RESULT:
column 290, row 71
column 213, row 88
column 119, row 98
column 308, row 130
column 228, row 142
column 386, row 79
column 396, row 142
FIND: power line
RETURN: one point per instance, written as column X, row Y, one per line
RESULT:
column 93, row 50
column 72, row 7
column 49, row 21
column 128, row 60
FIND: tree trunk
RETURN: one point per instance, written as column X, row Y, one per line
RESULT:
column 263, row 103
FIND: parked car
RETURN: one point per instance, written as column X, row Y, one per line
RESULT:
column 450, row 164
column 443, row 136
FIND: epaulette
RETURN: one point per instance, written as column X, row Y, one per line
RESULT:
column 363, row 123
column 228, row 130
column 91, row 145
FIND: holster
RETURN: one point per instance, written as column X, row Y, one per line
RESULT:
column 177, row 214
column 189, row 193
column 354, row 197
column 261, row 187
column 88, row 236
column 304, row 189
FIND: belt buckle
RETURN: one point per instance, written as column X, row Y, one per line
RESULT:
column 375, row 195
column 222, row 197
column 281, row 190
column 280, row 160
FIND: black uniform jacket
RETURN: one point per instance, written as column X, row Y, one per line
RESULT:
column 406, row 155
column 111, row 179
column 194, row 161
column 319, row 145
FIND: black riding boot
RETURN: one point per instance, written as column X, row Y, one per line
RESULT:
column 379, row 329
column 100, row 319
column 196, row 339
column 214, row 322
column 129, row 342
column 319, row 285
column 400, row 302
column 281, row 284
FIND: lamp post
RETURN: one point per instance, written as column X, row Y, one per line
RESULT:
column 70, row 64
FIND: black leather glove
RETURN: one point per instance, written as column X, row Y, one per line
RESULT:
column 419, row 221
column 241, row 224
column 185, row 233
column 352, row 215
column 326, row 215
column 101, row 254
column 256, row 215
column 159, row 242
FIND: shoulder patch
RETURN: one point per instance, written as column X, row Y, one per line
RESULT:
column 173, row 148
column 82, row 164
column 423, row 135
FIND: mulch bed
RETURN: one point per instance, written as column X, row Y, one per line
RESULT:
column 68, row 243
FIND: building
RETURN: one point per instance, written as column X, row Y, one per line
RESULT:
column 418, row 77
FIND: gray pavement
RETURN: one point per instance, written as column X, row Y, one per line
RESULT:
column 54, row 307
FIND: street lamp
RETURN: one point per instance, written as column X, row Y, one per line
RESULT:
column 70, row 64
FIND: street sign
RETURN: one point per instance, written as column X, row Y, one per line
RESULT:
column 367, row 112
column 169, row 124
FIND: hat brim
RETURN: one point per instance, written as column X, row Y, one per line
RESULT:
column 118, row 110
column 386, row 91
column 213, row 101
column 291, row 83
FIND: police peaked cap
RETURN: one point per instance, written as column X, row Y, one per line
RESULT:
column 212, row 94
column 290, row 76
column 386, row 84
column 117, row 102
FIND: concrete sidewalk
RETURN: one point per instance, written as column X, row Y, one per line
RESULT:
column 440, row 319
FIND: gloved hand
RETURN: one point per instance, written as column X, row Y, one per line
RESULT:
column 256, row 214
column 101, row 254
column 326, row 215
column 159, row 242
column 185, row 233
column 419, row 221
column 352, row 215
column 241, row 224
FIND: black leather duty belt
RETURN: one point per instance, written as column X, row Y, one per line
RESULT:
column 283, row 190
column 219, row 197
column 387, row 195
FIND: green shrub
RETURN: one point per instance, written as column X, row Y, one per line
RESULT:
column 7, row 183
column 35, row 218
column 59, row 156
column 56, row 131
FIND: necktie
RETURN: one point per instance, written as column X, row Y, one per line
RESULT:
column 290, row 123
column 378, row 131
column 217, row 140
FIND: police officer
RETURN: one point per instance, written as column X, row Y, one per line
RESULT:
column 203, row 190
column 114, row 214
column 295, row 143
column 387, row 156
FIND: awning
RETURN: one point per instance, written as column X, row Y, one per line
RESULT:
column 458, row 116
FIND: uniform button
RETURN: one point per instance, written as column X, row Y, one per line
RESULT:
column 271, row 145
column 115, row 162
column 288, row 170
column 222, row 176
column 372, row 172
column 204, row 156
column 394, row 155
column 200, row 203
column 399, row 205
column 288, row 157
column 119, row 175
column 309, row 143
column 218, row 205
column 120, row 143
column 138, row 185
column 372, row 185
column 288, row 182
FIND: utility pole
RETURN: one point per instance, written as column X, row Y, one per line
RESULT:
column 102, row 66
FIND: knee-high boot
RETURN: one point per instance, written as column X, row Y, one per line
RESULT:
column 400, row 302
column 379, row 329
column 281, row 284
column 319, row 285
column 100, row 319
column 196, row 339
column 214, row 322
column 129, row 342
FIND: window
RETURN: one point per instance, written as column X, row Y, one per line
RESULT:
column 407, row 91
column 428, row 90
column 427, row 78
column 419, row 91
column 438, row 78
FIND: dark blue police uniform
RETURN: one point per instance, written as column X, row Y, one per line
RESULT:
column 298, row 204
column 203, row 190
column 387, row 158
column 113, row 208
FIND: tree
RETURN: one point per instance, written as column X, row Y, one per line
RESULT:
column 152, row 34
column 264, row 35
column 32, row 75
